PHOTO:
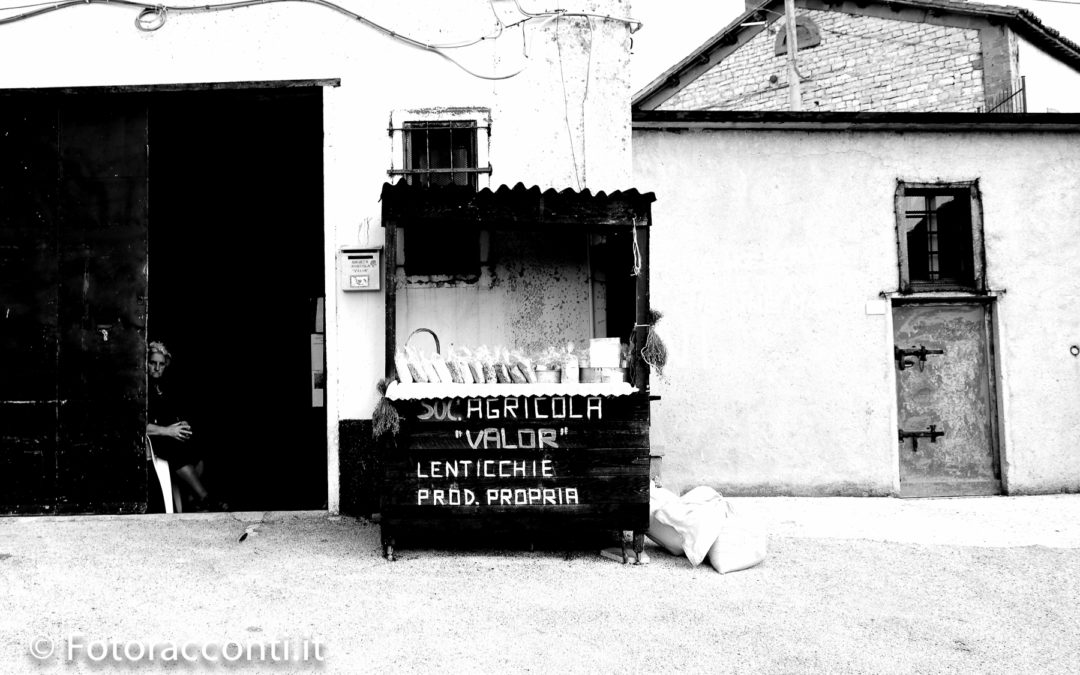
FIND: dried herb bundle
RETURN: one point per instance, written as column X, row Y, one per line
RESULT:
column 385, row 417
column 654, row 352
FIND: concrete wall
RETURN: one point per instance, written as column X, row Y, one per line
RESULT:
column 562, row 121
column 864, row 63
column 769, row 252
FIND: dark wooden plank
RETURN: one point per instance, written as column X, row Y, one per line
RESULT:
column 593, row 456
column 527, row 499
column 502, row 468
column 552, row 514
column 546, row 409
column 642, row 310
column 390, row 290
column 29, row 176
column 492, row 439
column 582, row 490
column 592, row 488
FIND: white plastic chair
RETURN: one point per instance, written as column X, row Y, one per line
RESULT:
column 164, row 474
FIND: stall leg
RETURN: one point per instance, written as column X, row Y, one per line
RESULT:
column 639, row 546
column 388, row 547
column 622, row 542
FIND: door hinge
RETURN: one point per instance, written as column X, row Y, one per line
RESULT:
column 921, row 353
column 932, row 433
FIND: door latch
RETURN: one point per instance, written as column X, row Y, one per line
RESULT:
column 931, row 432
column 921, row 353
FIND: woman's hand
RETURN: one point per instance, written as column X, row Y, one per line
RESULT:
column 181, row 430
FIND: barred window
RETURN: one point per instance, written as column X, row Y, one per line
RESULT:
column 435, row 147
column 440, row 153
column 940, row 237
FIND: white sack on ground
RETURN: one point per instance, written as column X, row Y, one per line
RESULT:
column 709, row 527
column 663, row 535
column 698, row 517
column 742, row 543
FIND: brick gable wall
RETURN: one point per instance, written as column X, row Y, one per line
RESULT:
column 863, row 63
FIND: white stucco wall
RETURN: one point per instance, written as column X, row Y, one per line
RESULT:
column 769, row 251
column 563, row 121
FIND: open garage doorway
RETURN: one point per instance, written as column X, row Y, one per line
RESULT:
column 235, row 284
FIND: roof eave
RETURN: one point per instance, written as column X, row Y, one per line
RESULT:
column 704, row 120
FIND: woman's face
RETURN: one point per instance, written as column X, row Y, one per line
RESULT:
column 156, row 365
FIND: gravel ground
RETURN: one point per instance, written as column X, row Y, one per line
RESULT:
column 840, row 596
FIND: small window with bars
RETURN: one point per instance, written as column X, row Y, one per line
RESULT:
column 440, row 153
column 940, row 238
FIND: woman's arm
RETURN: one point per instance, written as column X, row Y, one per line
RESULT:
column 181, row 431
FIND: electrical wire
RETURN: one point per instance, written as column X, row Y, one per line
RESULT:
column 634, row 24
column 153, row 16
column 149, row 8
column 584, row 100
column 30, row 6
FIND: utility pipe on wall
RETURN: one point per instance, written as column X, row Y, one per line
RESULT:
column 794, row 88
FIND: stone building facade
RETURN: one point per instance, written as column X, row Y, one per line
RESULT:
column 907, row 55
column 853, row 67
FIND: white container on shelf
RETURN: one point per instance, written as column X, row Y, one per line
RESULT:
column 546, row 375
column 605, row 352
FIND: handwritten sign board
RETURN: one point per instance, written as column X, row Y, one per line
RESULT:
column 521, row 460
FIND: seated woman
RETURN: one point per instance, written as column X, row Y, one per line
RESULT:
column 171, row 435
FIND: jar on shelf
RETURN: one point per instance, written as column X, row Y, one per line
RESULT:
column 570, row 370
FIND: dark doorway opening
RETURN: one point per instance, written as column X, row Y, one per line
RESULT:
column 235, row 271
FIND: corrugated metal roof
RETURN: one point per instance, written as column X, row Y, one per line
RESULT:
column 517, row 205
column 519, row 191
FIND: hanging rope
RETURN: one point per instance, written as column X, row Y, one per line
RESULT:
column 637, row 251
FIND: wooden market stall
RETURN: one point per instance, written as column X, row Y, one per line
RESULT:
column 526, row 271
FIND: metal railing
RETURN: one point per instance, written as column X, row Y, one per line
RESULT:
column 1012, row 99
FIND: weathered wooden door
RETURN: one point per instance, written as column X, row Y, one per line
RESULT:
column 73, row 179
column 946, row 400
column 29, row 286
